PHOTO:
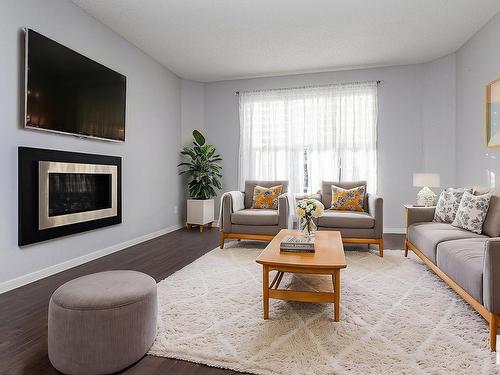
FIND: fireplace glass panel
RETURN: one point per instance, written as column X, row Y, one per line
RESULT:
column 71, row 193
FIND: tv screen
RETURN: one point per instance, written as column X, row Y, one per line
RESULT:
column 67, row 92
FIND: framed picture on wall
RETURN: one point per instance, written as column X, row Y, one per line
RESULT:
column 493, row 113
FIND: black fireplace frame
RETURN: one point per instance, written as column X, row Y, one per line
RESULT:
column 28, row 206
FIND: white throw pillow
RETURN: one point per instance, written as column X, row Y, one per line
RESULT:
column 472, row 212
column 447, row 205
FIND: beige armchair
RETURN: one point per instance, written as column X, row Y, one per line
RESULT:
column 356, row 227
column 250, row 223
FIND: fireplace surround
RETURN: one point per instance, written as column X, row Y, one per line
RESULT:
column 62, row 193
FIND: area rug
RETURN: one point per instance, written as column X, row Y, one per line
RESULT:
column 397, row 317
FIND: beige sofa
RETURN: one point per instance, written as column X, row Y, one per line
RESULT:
column 468, row 262
column 356, row 227
column 250, row 223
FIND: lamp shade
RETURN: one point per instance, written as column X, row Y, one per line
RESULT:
column 426, row 179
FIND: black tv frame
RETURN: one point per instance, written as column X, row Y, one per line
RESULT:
column 26, row 31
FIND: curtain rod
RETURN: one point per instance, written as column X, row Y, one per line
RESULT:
column 310, row 86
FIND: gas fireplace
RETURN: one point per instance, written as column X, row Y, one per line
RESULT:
column 63, row 193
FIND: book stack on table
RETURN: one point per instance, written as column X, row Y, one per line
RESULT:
column 297, row 244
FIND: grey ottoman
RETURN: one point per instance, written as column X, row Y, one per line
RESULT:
column 102, row 323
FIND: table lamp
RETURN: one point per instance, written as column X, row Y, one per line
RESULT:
column 426, row 196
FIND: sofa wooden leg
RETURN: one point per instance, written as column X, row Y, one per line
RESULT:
column 222, row 240
column 493, row 332
column 381, row 247
column 406, row 247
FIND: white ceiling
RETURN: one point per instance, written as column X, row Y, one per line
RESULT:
column 211, row 40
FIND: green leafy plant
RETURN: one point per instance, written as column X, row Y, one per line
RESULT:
column 202, row 168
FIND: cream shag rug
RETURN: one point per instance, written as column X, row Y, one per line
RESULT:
column 397, row 317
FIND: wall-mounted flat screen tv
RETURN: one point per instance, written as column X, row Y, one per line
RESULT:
column 67, row 92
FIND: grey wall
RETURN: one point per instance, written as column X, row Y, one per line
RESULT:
column 192, row 109
column 438, row 118
column 401, row 150
column 478, row 63
column 192, row 117
column 151, row 188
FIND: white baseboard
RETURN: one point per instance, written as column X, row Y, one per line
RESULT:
column 56, row 268
column 395, row 230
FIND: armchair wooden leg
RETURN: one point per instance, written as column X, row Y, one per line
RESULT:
column 222, row 237
column 493, row 332
column 406, row 247
column 381, row 247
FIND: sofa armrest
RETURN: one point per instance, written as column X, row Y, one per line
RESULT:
column 491, row 275
column 376, row 210
column 284, row 210
column 225, row 213
column 419, row 215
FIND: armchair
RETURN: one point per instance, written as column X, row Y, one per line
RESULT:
column 356, row 227
column 250, row 223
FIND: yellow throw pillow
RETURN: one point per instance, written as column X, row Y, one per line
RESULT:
column 348, row 200
column 266, row 197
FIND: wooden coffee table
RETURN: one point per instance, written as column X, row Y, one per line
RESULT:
column 328, row 259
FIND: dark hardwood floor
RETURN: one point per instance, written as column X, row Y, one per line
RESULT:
column 23, row 311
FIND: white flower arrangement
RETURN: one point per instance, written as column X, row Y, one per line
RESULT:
column 309, row 208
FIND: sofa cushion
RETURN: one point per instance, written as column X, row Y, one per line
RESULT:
column 251, row 184
column 264, row 198
column 354, row 232
column 346, row 219
column 263, row 230
column 462, row 261
column 348, row 199
column 326, row 191
column 472, row 212
column 426, row 236
column 447, row 205
column 255, row 216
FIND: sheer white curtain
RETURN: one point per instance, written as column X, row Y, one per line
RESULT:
column 311, row 134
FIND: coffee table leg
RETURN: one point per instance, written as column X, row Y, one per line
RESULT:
column 336, row 305
column 265, row 291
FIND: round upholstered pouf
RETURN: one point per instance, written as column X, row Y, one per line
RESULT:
column 102, row 323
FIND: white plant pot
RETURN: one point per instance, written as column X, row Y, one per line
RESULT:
column 200, row 211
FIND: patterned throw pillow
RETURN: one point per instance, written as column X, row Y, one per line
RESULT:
column 447, row 205
column 266, row 197
column 348, row 200
column 472, row 212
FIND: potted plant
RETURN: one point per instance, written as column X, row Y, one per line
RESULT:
column 204, row 173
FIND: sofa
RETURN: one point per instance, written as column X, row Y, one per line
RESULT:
column 364, row 227
column 468, row 262
column 250, row 223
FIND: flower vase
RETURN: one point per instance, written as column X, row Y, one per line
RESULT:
column 308, row 228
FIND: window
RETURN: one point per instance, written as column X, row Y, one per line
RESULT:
column 306, row 135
